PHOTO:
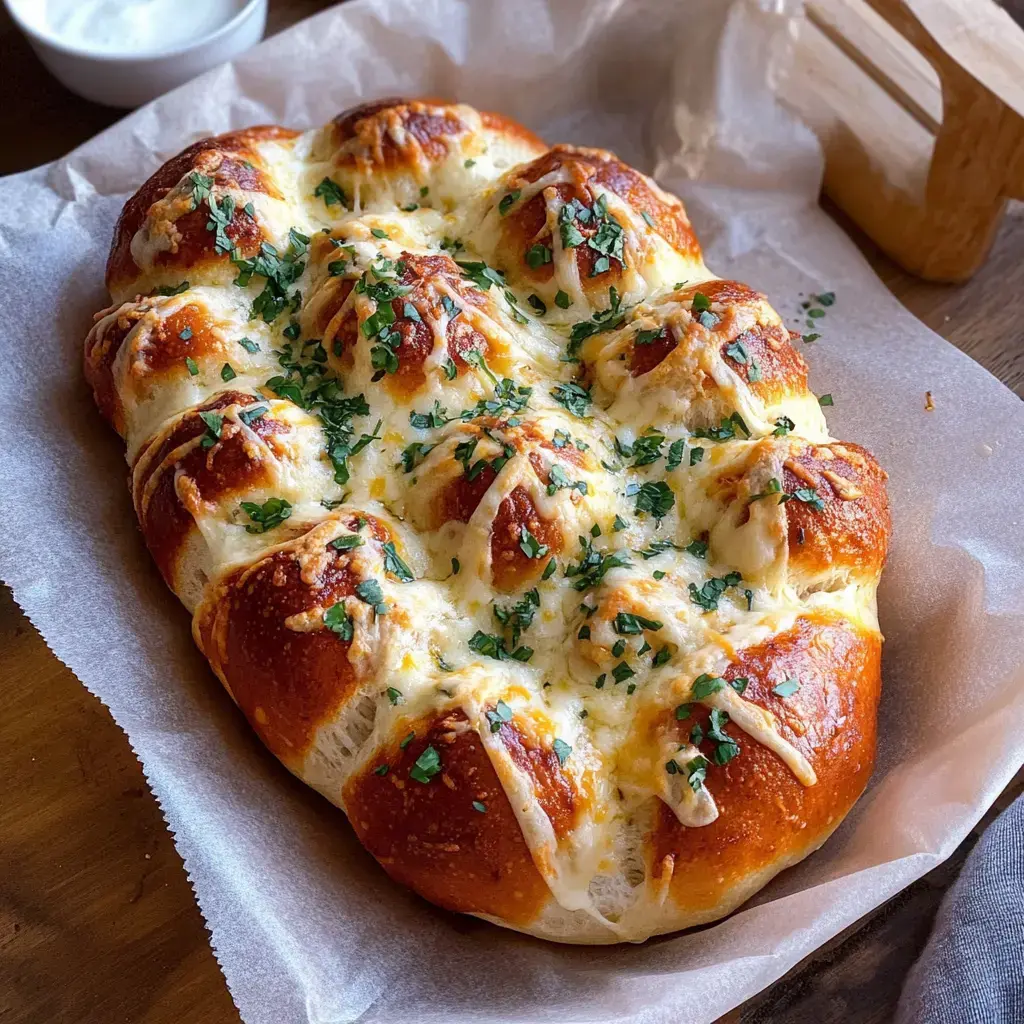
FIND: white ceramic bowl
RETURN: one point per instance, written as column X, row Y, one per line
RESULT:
column 128, row 80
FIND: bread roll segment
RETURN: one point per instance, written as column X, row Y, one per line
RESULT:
column 511, row 529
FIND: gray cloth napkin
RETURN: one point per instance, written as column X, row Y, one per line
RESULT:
column 972, row 970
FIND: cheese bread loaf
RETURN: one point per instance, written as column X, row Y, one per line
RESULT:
column 509, row 527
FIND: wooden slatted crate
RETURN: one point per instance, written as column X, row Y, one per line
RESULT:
column 919, row 106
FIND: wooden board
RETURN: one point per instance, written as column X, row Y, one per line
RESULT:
column 97, row 919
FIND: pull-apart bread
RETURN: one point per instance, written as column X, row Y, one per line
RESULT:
column 510, row 528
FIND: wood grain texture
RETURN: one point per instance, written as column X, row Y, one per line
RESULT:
column 97, row 920
column 919, row 107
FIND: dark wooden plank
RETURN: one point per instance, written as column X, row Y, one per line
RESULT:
column 97, row 919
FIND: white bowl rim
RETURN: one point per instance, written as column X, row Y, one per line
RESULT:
column 55, row 43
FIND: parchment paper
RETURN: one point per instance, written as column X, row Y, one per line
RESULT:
column 303, row 922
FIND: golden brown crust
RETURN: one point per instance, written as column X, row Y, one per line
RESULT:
column 432, row 838
column 288, row 674
column 850, row 528
column 164, row 347
column 101, row 349
column 431, row 280
column 432, row 127
column 511, row 567
column 766, row 816
column 555, row 790
column 761, row 354
column 180, row 476
column 590, row 172
column 394, row 133
column 231, row 161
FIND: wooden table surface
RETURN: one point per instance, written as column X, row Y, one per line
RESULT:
column 97, row 919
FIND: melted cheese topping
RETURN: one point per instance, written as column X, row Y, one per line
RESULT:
column 592, row 686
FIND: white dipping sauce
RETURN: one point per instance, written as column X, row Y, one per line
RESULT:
column 133, row 26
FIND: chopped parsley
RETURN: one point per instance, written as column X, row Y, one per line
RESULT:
column 508, row 201
column 538, row 255
column 427, row 765
column 369, row 592
column 562, row 750
column 346, row 542
column 705, row 685
column 508, row 397
column 529, row 545
column 252, row 414
column 675, row 454
column 807, row 495
column 645, row 450
column 708, row 594
column 394, row 564
column 697, row 772
column 168, row 289
column 726, row 748
column 772, row 487
column 573, row 397
column 331, row 193
column 518, row 617
column 279, row 272
column 608, row 240
column 559, row 480
column 786, row 688
column 201, row 185
column 501, row 715
column 214, row 423
column 604, row 320
column 593, row 565
column 655, row 497
column 273, row 512
column 337, row 620
column 414, row 454
column 484, row 276
column 725, row 431
column 627, row 624
column 220, row 220
column 494, row 647
column 697, row 548
column 738, row 352
column 622, row 672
